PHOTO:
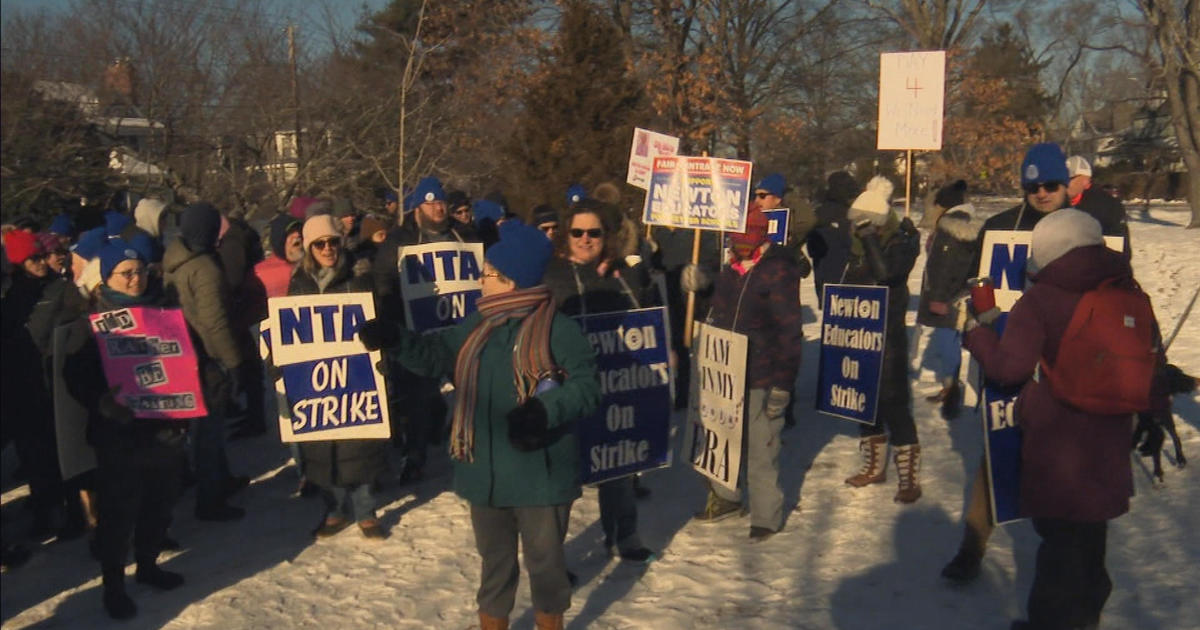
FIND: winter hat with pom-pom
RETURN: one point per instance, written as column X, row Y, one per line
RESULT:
column 1060, row 232
column 20, row 245
column 874, row 204
column 575, row 194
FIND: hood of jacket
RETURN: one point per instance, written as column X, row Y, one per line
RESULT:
column 147, row 215
column 960, row 223
column 1084, row 268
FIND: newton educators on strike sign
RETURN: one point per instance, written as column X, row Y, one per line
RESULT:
column 698, row 192
column 333, row 389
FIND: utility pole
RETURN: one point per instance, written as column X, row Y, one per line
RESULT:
column 291, row 35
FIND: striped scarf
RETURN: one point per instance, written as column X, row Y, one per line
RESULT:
column 532, row 360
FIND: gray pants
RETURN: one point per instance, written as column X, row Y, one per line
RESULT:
column 542, row 530
column 760, row 464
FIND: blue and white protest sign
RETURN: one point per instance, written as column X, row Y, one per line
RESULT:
column 698, row 192
column 777, row 225
column 630, row 431
column 439, row 283
column 714, row 429
column 333, row 389
column 853, row 334
column 1003, row 259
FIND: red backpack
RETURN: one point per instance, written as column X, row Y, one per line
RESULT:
column 1108, row 354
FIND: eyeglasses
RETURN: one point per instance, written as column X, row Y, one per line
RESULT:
column 327, row 244
column 37, row 257
column 1050, row 187
column 591, row 232
column 130, row 274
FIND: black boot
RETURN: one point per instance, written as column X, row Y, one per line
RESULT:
column 952, row 402
column 116, row 602
column 150, row 573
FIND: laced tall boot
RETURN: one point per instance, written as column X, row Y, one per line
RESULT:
column 874, row 466
column 547, row 621
column 908, row 468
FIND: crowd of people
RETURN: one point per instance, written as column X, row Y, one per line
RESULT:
column 524, row 374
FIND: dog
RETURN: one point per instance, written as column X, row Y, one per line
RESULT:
column 1154, row 427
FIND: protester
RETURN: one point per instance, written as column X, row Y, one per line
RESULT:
column 757, row 295
column 883, row 249
column 139, row 461
column 240, row 250
column 516, row 457
column 194, row 279
column 949, row 252
column 586, row 278
column 1075, row 471
column 458, row 204
column 372, row 233
column 829, row 241
column 1044, row 181
column 1102, row 207
column 287, row 248
column 545, row 218
column 343, row 469
column 57, row 253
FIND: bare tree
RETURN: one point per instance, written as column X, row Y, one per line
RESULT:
column 932, row 24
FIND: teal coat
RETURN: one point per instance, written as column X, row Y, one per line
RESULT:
column 502, row 476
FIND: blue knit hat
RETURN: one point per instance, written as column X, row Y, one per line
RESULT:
column 114, row 222
column 90, row 243
column 1045, row 162
column 428, row 189
column 521, row 253
column 114, row 253
column 62, row 225
column 485, row 210
column 774, row 184
column 575, row 194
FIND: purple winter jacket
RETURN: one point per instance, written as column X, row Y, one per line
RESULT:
column 1074, row 464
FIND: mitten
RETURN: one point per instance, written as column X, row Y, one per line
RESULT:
column 527, row 425
column 376, row 334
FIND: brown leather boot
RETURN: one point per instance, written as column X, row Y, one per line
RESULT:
column 874, row 467
column 547, row 621
column 488, row 622
column 908, row 468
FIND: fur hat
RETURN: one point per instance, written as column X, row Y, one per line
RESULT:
column 428, row 189
column 875, row 203
column 1060, row 232
column 951, row 195
column 372, row 224
column 1078, row 165
column 1044, row 162
column 521, row 253
column 19, row 245
column 319, row 227
column 774, row 184
column 116, row 252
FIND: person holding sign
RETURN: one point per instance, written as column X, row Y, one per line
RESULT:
column 140, row 461
column 756, row 295
column 343, row 469
column 1075, row 473
column 524, row 374
column 587, row 277
column 883, row 249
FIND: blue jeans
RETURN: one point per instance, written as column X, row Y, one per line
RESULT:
column 618, row 513
column 355, row 502
column 945, row 353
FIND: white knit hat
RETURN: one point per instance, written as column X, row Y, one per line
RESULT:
column 874, row 204
column 1060, row 232
column 318, row 227
column 1077, row 165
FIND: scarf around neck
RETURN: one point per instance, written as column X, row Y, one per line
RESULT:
column 532, row 360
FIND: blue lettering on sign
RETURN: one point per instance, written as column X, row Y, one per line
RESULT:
column 297, row 323
column 454, row 265
column 1010, row 266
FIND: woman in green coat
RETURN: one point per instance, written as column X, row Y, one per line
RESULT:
column 523, row 374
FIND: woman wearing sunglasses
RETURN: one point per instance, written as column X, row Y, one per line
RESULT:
column 588, row 277
column 140, row 462
column 343, row 469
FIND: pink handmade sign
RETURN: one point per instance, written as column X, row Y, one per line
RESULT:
column 148, row 353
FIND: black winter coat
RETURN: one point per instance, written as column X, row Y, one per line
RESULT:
column 1104, row 208
column 579, row 290
column 344, row 463
column 952, row 248
column 829, row 241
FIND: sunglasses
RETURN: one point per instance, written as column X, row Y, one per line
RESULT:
column 491, row 274
column 591, row 232
column 762, row 195
column 130, row 274
column 1051, row 187
column 327, row 244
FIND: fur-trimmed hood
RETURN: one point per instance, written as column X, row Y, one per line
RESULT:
column 960, row 223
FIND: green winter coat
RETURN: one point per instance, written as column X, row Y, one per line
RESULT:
column 196, row 281
column 502, row 476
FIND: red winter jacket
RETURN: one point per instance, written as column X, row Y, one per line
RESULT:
column 275, row 273
column 1074, row 465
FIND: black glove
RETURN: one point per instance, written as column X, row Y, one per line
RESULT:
column 527, row 426
column 379, row 334
column 113, row 410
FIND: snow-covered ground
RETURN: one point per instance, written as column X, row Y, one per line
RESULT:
column 846, row 559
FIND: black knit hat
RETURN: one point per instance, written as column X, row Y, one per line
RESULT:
column 951, row 195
